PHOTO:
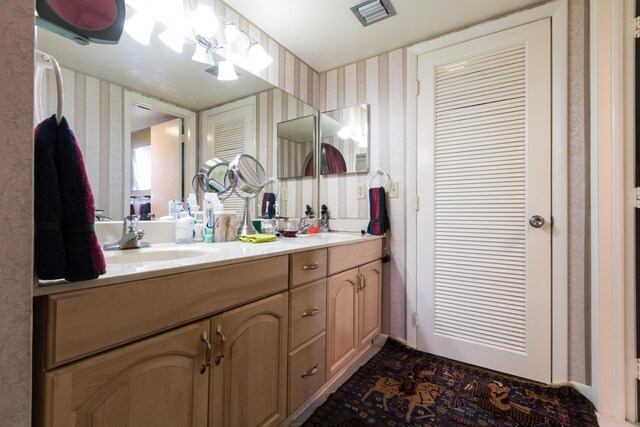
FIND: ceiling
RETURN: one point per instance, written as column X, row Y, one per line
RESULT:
column 325, row 34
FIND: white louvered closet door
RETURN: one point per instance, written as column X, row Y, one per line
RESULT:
column 484, row 168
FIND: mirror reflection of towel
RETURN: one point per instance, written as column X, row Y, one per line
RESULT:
column 271, row 199
column 379, row 220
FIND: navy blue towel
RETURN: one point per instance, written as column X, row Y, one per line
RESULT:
column 66, row 245
column 48, row 241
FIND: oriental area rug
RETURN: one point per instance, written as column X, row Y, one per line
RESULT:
column 401, row 386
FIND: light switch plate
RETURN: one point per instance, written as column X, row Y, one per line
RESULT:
column 360, row 191
column 393, row 192
column 283, row 194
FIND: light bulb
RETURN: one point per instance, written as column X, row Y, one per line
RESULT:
column 139, row 27
column 258, row 58
column 167, row 12
column 173, row 39
column 202, row 55
column 204, row 22
column 226, row 71
column 231, row 31
column 239, row 44
column 344, row 133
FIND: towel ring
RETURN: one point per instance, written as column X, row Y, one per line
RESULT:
column 43, row 60
column 377, row 172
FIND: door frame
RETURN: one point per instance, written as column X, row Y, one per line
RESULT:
column 558, row 12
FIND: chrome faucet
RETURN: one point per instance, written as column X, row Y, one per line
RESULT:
column 131, row 236
column 303, row 226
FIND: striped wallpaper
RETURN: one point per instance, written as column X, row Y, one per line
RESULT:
column 94, row 109
column 380, row 82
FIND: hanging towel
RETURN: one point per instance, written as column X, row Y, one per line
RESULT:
column 271, row 199
column 379, row 221
column 49, row 253
column 84, row 256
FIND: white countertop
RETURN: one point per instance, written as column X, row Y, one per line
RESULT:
column 170, row 258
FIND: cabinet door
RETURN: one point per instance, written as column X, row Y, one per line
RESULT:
column 249, row 385
column 342, row 320
column 152, row 383
column 369, row 298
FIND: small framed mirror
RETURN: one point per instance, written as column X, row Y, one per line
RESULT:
column 344, row 137
column 296, row 147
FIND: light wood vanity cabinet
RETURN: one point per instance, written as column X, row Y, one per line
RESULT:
column 353, row 301
column 239, row 345
column 154, row 382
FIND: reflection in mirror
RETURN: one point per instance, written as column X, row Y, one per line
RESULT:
column 296, row 144
column 345, row 140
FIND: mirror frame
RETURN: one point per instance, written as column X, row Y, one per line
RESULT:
column 132, row 99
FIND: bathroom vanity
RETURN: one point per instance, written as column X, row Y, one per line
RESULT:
column 240, row 336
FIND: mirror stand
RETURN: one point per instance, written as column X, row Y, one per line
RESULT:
column 246, row 226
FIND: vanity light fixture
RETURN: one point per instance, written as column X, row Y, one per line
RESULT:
column 225, row 70
column 200, row 29
column 139, row 27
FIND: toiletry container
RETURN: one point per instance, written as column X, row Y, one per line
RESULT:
column 184, row 228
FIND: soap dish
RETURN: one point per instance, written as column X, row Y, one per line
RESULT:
column 289, row 233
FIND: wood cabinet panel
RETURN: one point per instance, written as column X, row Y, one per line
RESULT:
column 308, row 312
column 249, row 385
column 122, row 313
column 152, row 383
column 306, row 371
column 308, row 266
column 342, row 320
column 344, row 257
column 369, row 303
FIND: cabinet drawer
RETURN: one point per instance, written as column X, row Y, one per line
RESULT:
column 308, row 266
column 306, row 371
column 308, row 312
column 344, row 257
column 85, row 322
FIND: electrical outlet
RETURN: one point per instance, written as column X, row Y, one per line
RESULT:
column 283, row 194
column 360, row 191
column 393, row 193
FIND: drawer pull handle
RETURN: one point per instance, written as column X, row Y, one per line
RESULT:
column 313, row 371
column 313, row 266
column 221, row 354
column 207, row 352
column 311, row 312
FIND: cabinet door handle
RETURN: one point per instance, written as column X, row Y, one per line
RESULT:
column 364, row 281
column 313, row 266
column 207, row 352
column 221, row 354
column 313, row 371
column 311, row 312
column 359, row 284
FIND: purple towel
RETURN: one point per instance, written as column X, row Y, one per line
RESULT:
column 379, row 220
column 83, row 258
column 49, row 253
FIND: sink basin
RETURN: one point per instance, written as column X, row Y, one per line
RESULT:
column 130, row 256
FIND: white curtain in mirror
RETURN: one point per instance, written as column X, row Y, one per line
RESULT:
column 141, row 169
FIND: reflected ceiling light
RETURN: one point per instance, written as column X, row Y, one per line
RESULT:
column 237, row 41
column 226, row 71
column 203, row 55
column 167, row 12
column 173, row 38
column 204, row 22
column 259, row 59
column 139, row 27
column 344, row 133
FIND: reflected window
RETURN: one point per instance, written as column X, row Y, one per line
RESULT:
column 141, row 169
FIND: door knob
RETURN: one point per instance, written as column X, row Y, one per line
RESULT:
column 536, row 221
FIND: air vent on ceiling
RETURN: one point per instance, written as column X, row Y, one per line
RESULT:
column 371, row 11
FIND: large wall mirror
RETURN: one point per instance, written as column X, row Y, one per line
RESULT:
column 105, row 84
column 344, row 139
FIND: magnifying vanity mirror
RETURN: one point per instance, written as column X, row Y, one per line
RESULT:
column 101, row 80
column 344, row 135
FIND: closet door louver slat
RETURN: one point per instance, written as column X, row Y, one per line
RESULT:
column 480, row 146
